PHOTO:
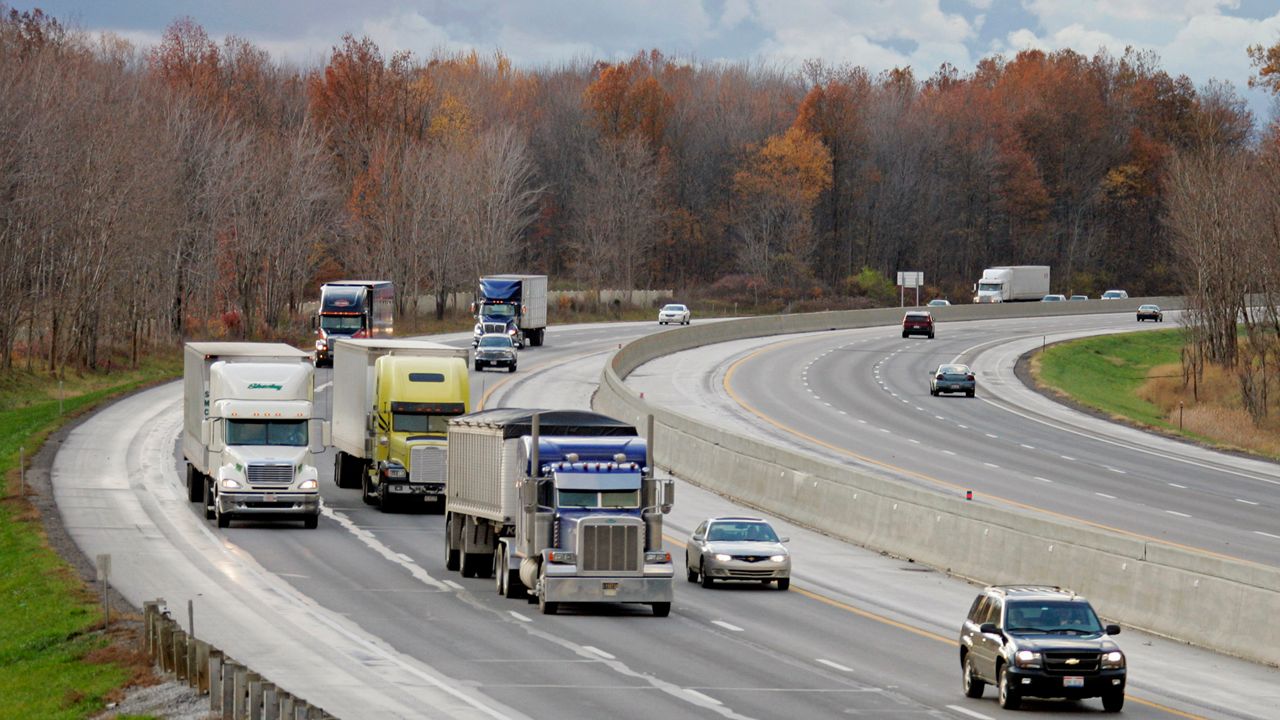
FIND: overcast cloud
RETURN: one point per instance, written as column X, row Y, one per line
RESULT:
column 1204, row 39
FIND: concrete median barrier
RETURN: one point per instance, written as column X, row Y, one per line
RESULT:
column 1197, row 597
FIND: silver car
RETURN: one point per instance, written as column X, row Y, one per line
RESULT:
column 737, row 548
column 495, row 350
column 673, row 313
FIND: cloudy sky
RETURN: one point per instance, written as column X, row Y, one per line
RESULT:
column 1204, row 39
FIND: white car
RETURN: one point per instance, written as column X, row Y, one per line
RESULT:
column 673, row 313
column 1115, row 295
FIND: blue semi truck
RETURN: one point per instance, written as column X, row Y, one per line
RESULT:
column 559, row 506
column 512, row 304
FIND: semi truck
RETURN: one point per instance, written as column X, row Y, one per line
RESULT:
column 1010, row 283
column 512, row 304
column 558, row 506
column 251, row 431
column 392, row 400
column 353, row 309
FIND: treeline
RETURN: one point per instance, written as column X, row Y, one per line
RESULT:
column 200, row 188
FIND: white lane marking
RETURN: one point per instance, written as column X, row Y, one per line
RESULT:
column 884, row 430
column 1029, row 447
column 454, row 585
column 599, row 652
column 1104, row 495
column 727, row 626
column 827, row 404
column 920, row 408
column 294, row 575
column 991, row 465
column 1246, row 502
column 374, row 544
column 864, row 422
column 523, row 618
column 1043, row 479
column 938, row 417
column 1066, row 457
column 404, row 557
column 1180, row 487
column 970, row 713
column 962, row 427
column 835, row 665
column 1117, row 470
column 917, row 442
column 1266, row 534
column 948, row 452
column 704, row 698
column 842, row 412
column 1179, row 514
column 325, row 386
column 993, row 437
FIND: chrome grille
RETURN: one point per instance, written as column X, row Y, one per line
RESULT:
column 610, row 548
column 427, row 463
column 495, row 327
column 1060, row 662
column 270, row 473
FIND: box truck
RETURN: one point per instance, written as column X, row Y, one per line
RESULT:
column 353, row 309
column 1010, row 283
column 512, row 304
column 251, row 431
column 559, row 506
column 392, row 400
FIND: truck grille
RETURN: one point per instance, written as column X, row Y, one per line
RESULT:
column 427, row 463
column 270, row 473
column 1060, row 662
column 495, row 327
column 610, row 548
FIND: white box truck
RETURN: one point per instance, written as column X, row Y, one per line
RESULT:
column 1010, row 283
column 251, row 432
column 392, row 400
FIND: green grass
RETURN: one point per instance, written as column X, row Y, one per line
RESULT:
column 50, row 622
column 1105, row 372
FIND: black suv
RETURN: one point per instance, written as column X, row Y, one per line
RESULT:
column 1040, row 641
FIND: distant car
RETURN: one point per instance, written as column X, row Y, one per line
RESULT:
column 737, row 548
column 1054, row 298
column 917, row 322
column 496, row 350
column 673, row 314
column 1079, row 297
column 1150, row 312
column 952, row 378
column 939, row 302
column 1115, row 295
column 1039, row 641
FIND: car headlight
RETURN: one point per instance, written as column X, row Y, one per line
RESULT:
column 1113, row 660
column 657, row 557
column 722, row 557
column 778, row 558
column 229, row 484
column 320, row 345
column 1027, row 659
column 308, row 485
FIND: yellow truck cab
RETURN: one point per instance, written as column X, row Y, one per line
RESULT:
column 392, row 401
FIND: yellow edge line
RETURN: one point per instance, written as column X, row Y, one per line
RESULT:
column 932, row 635
column 728, row 387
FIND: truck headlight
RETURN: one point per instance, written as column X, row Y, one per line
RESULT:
column 722, row 557
column 320, row 345
column 1027, row 659
column 657, row 557
column 308, row 485
column 1113, row 660
column 229, row 484
column 395, row 473
column 562, row 556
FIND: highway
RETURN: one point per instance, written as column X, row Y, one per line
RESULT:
column 858, row 634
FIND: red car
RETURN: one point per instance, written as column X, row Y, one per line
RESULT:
column 917, row 322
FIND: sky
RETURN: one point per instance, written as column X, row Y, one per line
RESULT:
column 1203, row 39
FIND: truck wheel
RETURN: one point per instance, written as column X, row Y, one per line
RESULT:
column 547, row 607
column 661, row 609
column 1009, row 699
column 365, row 495
column 514, row 587
column 969, row 680
column 195, row 483
column 208, row 498
column 311, row 522
column 511, row 368
column 1113, row 702
column 452, row 556
column 473, row 564
column 500, row 569
column 224, row 520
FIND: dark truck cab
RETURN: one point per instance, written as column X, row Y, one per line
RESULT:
column 355, row 309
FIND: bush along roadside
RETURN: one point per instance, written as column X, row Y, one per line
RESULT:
column 58, row 657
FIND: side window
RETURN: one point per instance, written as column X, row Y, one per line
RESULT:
column 993, row 612
column 702, row 529
column 978, row 610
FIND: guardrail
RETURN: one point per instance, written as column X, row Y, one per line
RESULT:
column 235, row 692
column 1223, row 604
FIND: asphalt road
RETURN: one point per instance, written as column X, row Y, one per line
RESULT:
column 858, row 634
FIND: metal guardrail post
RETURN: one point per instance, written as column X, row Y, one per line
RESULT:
column 180, row 668
column 239, row 694
column 215, row 681
column 229, row 671
column 270, row 702
column 201, row 664
column 255, row 696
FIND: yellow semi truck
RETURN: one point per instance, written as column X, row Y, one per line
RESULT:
column 392, row 400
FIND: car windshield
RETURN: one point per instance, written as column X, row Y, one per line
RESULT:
column 1051, row 617
column 1112, row 294
column 732, row 531
column 267, row 432
column 1051, row 298
column 1150, row 308
column 674, row 308
column 341, row 323
column 495, row 341
column 938, row 303
column 498, row 310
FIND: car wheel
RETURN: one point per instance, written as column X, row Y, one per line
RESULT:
column 1112, row 702
column 784, row 583
column 311, row 522
column 689, row 573
column 930, row 336
column 904, row 336
column 511, row 368
column 661, row 609
column 933, row 392
column 1009, row 699
column 968, row 393
column 706, row 579
column 973, row 686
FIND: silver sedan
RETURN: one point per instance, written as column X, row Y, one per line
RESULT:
column 737, row 548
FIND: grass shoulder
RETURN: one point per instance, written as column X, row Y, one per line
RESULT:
column 1137, row 378
column 58, row 661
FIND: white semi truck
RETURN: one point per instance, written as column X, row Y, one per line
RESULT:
column 251, row 431
column 1010, row 283
column 559, row 506
column 392, row 400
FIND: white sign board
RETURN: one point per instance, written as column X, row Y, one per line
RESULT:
column 911, row 279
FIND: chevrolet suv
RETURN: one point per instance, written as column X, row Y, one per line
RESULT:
column 917, row 322
column 1039, row 641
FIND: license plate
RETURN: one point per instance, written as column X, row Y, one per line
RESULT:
column 610, row 588
column 955, row 387
column 269, row 497
column 1073, row 681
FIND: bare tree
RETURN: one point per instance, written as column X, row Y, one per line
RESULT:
column 616, row 212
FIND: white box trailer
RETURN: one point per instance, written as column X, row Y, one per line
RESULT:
column 1011, row 283
column 250, row 431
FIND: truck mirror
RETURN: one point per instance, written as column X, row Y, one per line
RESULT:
column 318, row 436
column 383, row 440
column 326, row 432
column 204, row 431
column 668, row 495
column 315, row 323
column 214, row 426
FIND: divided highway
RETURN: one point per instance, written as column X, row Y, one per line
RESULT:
column 858, row 634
